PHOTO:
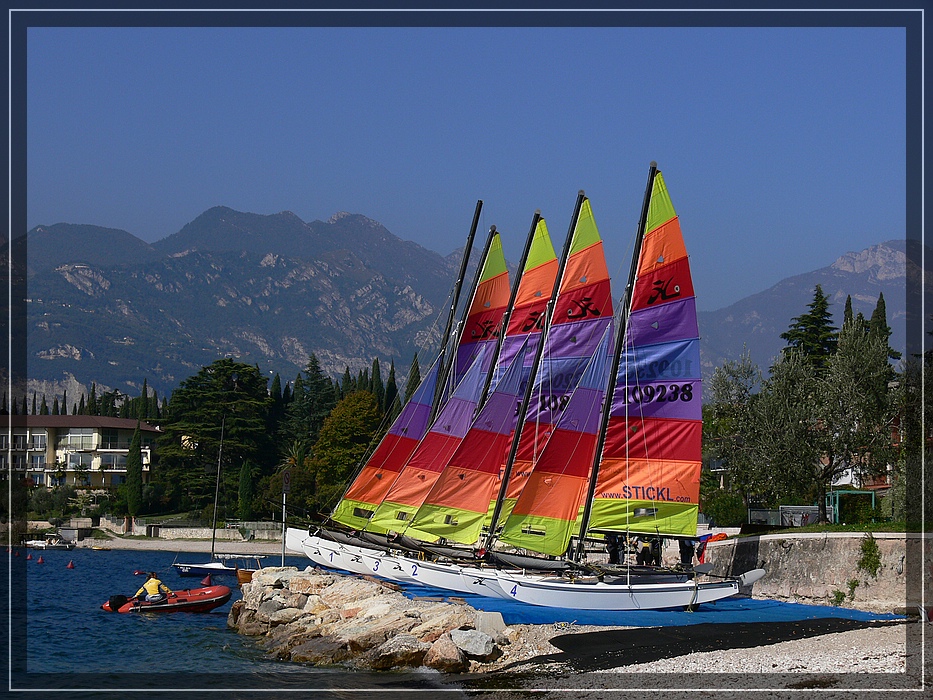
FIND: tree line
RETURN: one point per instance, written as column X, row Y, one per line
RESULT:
column 832, row 406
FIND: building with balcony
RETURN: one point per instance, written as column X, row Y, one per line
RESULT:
column 82, row 451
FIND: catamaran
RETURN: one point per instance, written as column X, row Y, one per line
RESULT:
column 605, row 441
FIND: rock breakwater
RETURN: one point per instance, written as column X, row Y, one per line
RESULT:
column 327, row 619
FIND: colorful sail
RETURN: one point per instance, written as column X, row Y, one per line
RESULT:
column 378, row 474
column 413, row 482
column 582, row 312
column 484, row 318
column 531, row 299
column 649, row 476
column 545, row 514
column 457, row 503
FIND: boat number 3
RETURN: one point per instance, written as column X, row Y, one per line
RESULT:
column 661, row 392
column 514, row 589
column 376, row 567
column 414, row 569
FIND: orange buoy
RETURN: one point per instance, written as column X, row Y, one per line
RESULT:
column 29, row 556
column 71, row 565
column 40, row 560
column 206, row 581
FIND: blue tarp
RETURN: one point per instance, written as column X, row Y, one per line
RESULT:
column 729, row 611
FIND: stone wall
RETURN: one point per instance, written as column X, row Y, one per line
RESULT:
column 812, row 567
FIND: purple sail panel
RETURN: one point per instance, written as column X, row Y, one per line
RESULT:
column 663, row 324
column 413, row 420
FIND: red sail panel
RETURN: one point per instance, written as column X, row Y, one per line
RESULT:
column 650, row 470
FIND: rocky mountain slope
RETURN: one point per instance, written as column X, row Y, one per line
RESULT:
column 106, row 307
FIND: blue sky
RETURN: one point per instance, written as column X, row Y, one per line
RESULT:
column 783, row 147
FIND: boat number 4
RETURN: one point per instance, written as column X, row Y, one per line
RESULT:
column 514, row 589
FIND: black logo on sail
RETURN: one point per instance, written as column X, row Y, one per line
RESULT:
column 664, row 291
column 584, row 308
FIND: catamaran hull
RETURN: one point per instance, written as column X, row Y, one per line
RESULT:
column 597, row 595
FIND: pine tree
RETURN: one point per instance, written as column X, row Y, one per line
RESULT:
column 348, row 386
column 813, row 333
column 306, row 413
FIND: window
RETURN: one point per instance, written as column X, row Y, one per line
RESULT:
column 117, row 479
column 110, row 439
column 79, row 460
column 19, row 442
column 19, row 461
column 37, row 461
column 38, row 441
column 4, row 441
column 38, row 479
column 112, row 461
column 78, row 439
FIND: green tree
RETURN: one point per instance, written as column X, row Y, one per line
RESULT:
column 813, row 333
column 228, row 398
column 392, row 404
column 377, row 387
column 245, row 492
column 133, row 488
column 345, row 439
column 878, row 327
column 729, row 426
column 306, row 413
column 414, row 379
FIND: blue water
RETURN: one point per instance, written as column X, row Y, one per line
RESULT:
column 67, row 635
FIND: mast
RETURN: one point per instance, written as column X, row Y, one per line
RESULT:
column 624, row 310
column 456, row 298
column 523, row 407
column 220, row 450
column 448, row 363
column 508, row 309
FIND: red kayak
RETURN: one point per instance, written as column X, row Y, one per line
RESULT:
column 194, row 600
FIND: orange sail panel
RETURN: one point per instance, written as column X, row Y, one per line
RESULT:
column 414, row 480
column 649, row 476
column 457, row 504
column 484, row 319
column 545, row 513
column 378, row 474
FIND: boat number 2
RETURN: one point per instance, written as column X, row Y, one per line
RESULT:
column 662, row 392
column 414, row 569
column 514, row 589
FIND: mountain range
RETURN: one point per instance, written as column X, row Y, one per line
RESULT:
column 104, row 306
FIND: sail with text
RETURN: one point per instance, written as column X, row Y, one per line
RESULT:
column 457, row 503
column 415, row 479
column 582, row 312
column 545, row 514
column 648, row 478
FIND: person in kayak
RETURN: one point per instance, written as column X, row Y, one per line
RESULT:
column 155, row 590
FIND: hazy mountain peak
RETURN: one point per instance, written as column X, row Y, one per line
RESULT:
column 882, row 261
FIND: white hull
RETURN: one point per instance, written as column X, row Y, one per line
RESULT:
column 596, row 595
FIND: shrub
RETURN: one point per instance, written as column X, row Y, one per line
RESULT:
column 870, row 559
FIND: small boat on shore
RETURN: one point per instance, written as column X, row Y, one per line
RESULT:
column 193, row 600
column 220, row 565
column 51, row 541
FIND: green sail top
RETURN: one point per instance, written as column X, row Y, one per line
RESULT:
column 541, row 250
column 585, row 234
column 660, row 210
column 495, row 260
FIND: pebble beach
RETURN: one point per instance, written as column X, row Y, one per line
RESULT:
column 885, row 656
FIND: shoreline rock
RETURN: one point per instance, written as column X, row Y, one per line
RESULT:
column 329, row 619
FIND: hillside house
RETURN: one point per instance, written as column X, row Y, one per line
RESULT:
column 81, row 451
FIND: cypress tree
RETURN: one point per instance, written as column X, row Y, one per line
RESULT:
column 34, row 403
column 414, row 379
column 143, row 405
column 134, row 474
column 878, row 327
column 65, row 402
column 378, row 388
column 44, row 408
column 82, row 408
column 847, row 313
column 25, row 407
column 391, row 397
column 93, row 409
column 347, row 387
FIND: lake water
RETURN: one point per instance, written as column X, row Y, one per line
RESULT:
column 65, row 641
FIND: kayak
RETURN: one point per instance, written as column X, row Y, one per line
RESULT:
column 193, row 600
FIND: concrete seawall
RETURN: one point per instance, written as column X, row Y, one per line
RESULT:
column 821, row 568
